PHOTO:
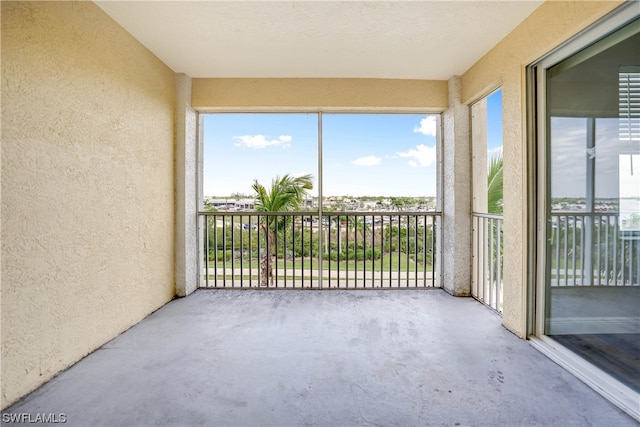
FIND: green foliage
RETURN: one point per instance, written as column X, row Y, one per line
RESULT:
column 286, row 193
column 372, row 254
column 303, row 243
column 357, row 255
column 220, row 255
column 494, row 185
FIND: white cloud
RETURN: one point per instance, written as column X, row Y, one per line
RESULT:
column 427, row 126
column 367, row 161
column 497, row 151
column 261, row 141
column 422, row 155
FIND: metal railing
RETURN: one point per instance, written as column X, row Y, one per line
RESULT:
column 345, row 250
column 590, row 249
column 486, row 284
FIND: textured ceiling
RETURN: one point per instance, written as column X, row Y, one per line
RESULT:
column 362, row 39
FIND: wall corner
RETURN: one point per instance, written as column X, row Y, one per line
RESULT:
column 186, row 238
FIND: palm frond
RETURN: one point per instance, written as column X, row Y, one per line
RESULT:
column 285, row 194
column 494, row 185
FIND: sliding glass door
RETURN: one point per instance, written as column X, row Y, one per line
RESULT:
column 590, row 201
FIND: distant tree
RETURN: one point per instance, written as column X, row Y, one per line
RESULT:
column 208, row 205
column 287, row 193
column 398, row 203
column 494, row 185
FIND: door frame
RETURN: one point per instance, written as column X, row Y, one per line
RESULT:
column 538, row 229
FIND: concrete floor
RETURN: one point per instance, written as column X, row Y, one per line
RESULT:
column 326, row 358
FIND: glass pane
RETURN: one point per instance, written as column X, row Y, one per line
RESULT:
column 608, row 149
column 386, row 159
column 568, row 163
column 592, row 290
column 242, row 148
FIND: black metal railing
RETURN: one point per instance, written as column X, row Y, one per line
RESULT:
column 344, row 250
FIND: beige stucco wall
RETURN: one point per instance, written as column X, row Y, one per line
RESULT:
column 87, row 186
column 303, row 93
column 550, row 25
column 456, row 195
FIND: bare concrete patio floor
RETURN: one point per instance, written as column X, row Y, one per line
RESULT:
column 325, row 358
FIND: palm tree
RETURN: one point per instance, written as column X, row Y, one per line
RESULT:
column 494, row 185
column 287, row 193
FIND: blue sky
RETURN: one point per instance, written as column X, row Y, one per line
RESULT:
column 494, row 123
column 363, row 154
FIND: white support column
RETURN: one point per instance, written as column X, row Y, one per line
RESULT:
column 186, row 235
column 457, row 191
column 479, row 135
column 479, row 191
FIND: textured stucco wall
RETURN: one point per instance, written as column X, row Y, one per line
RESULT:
column 456, row 196
column 186, row 192
column 359, row 94
column 87, row 186
column 549, row 26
